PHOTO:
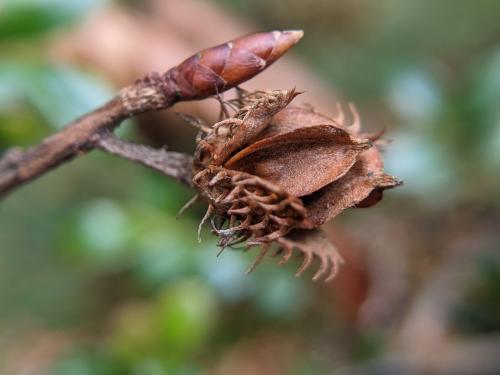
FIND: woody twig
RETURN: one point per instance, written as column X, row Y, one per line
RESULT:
column 204, row 74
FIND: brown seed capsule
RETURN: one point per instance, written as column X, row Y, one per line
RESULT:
column 272, row 174
column 219, row 68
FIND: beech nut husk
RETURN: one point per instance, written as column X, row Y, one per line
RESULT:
column 274, row 173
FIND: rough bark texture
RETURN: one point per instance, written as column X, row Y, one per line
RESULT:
column 172, row 164
column 18, row 167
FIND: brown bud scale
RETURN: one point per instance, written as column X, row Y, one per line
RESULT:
column 219, row 68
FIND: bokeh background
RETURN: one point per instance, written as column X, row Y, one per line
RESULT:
column 97, row 276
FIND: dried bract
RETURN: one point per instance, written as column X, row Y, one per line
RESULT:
column 272, row 174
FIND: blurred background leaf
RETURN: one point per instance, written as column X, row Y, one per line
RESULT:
column 30, row 18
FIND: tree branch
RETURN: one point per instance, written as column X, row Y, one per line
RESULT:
column 172, row 164
column 204, row 74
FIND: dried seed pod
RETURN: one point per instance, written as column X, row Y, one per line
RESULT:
column 219, row 68
column 330, row 149
column 272, row 174
column 364, row 182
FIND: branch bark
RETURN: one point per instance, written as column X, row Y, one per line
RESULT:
column 19, row 167
column 172, row 164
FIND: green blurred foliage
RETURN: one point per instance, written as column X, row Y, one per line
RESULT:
column 31, row 18
column 58, row 93
column 479, row 309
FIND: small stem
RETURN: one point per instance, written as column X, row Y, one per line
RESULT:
column 172, row 164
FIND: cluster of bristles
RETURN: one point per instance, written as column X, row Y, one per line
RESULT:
column 254, row 209
column 248, row 210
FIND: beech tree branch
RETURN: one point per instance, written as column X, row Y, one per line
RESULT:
column 204, row 74
column 172, row 164
column 18, row 167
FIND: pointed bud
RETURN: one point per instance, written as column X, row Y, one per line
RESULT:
column 222, row 67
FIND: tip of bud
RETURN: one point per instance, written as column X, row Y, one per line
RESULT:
column 231, row 63
column 283, row 41
column 295, row 34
